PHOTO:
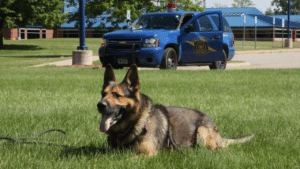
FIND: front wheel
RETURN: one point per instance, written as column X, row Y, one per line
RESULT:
column 220, row 64
column 105, row 61
column 169, row 60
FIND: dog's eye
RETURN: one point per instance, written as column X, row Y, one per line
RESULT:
column 117, row 95
column 103, row 94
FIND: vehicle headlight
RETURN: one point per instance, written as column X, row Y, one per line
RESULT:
column 152, row 42
column 103, row 43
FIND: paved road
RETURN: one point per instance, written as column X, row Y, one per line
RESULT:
column 289, row 60
column 271, row 60
column 279, row 59
column 261, row 61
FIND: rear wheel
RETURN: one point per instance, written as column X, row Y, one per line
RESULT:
column 220, row 64
column 169, row 60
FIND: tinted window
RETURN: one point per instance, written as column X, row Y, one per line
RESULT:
column 156, row 22
column 195, row 26
column 226, row 27
column 186, row 19
column 205, row 24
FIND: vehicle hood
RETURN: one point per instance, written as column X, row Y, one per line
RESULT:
column 141, row 33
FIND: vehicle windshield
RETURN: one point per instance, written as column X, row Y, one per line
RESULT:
column 156, row 22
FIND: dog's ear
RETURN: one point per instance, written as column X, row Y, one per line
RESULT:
column 109, row 76
column 132, row 79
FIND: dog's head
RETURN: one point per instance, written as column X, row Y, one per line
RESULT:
column 119, row 99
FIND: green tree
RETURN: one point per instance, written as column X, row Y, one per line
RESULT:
column 186, row 5
column 242, row 3
column 115, row 10
column 47, row 13
column 269, row 12
column 281, row 7
column 219, row 5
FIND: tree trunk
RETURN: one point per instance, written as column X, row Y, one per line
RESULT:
column 1, row 40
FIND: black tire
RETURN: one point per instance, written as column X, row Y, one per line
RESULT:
column 220, row 64
column 101, row 60
column 169, row 60
column 117, row 66
column 104, row 61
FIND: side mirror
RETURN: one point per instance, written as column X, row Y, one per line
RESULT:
column 189, row 28
column 124, row 27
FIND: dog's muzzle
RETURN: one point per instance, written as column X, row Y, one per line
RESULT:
column 102, row 105
column 110, row 115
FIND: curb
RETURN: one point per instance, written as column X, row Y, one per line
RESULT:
column 229, row 65
column 238, row 64
column 67, row 62
column 295, row 50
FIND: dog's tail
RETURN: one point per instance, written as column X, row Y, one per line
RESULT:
column 242, row 139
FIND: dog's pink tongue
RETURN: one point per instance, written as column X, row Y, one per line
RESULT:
column 105, row 123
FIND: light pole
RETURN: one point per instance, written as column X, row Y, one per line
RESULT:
column 289, row 13
column 82, row 56
column 82, row 25
column 289, row 41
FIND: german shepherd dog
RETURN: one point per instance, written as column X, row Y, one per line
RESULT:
column 133, row 122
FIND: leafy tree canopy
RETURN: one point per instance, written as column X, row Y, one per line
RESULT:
column 116, row 10
column 219, row 5
column 242, row 3
column 269, row 11
column 281, row 7
column 47, row 13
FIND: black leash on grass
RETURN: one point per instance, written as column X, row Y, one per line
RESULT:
column 66, row 152
column 23, row 139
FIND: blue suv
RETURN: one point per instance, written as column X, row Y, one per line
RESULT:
column 170, row 39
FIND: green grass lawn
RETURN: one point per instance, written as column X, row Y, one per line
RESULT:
column 36, row 51
column 261, row 45
column 240, row 102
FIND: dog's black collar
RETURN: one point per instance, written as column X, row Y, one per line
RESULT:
column 121, row 137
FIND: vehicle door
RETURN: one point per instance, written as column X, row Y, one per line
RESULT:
column 201, row 38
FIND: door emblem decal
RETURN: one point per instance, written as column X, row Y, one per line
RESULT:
column 200, row 45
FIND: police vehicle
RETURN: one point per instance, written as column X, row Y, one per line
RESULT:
column 169, row 39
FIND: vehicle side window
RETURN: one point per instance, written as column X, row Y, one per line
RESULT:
column 227, row 27
column 195, row 26
column 186, row 19
column 206, row 23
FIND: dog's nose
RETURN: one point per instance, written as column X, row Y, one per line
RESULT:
column 101, row 105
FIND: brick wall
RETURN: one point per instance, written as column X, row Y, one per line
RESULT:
column 12, row 34
column 49, row 33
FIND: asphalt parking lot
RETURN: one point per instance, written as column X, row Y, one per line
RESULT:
column 265, row 59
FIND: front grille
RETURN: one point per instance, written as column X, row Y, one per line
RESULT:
column 124, row 40
column 123, row 47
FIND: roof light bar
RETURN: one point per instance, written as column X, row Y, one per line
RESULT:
column 171, row 7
